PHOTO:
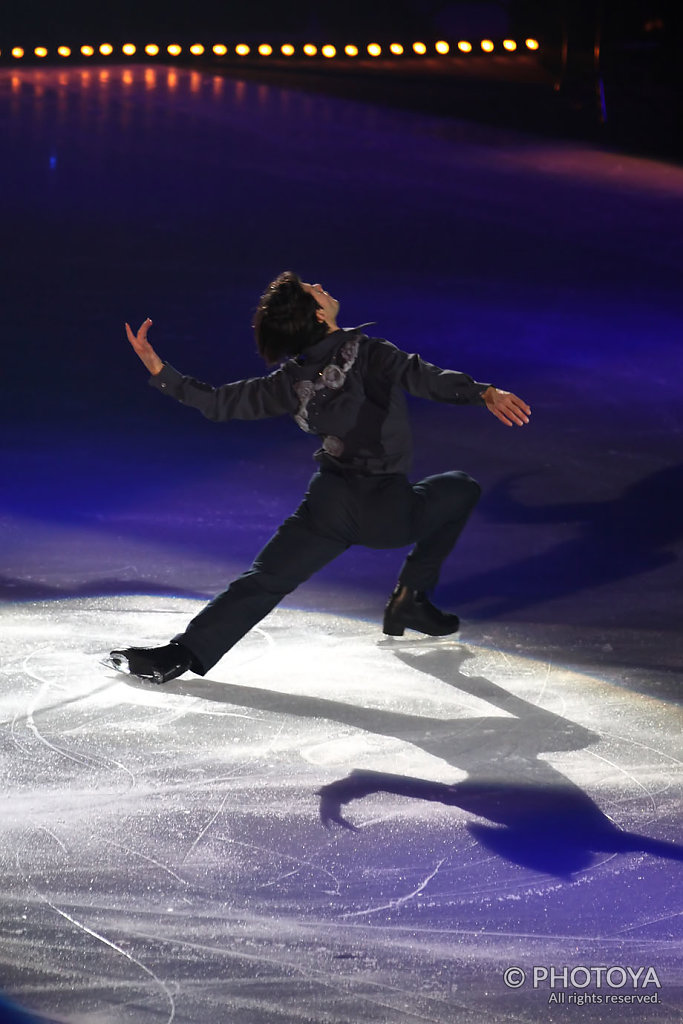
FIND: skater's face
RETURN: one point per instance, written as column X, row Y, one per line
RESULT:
column 328, row 308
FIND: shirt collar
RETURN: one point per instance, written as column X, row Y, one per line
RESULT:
column 323, row 349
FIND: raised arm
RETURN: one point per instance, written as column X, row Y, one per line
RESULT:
column 253, row 399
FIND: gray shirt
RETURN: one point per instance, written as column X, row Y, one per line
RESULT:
column 347, row 389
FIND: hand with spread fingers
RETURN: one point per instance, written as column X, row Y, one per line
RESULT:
column 143, row 347
column 506, row 407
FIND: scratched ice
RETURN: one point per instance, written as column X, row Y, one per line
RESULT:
column 164, row 853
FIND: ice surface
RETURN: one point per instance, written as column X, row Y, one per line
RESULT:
column 164, row 856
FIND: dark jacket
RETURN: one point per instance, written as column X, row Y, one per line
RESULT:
column 347, row 389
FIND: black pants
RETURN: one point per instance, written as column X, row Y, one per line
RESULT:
column 338, row 510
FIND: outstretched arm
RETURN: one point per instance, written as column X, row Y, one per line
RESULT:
column 362, row 783
column 425, row 380
column 253, row 399
column 143, row 347
column 506, row 407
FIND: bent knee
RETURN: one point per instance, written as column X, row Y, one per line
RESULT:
column 475, row 489
column 467, row 485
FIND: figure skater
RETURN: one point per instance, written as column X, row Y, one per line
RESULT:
column 347, row 389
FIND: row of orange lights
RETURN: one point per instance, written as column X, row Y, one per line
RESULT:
column 287, row 50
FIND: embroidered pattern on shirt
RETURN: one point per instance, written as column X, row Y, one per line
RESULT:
column 332, row 378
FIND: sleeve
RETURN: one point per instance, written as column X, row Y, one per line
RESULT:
column 254, row 399
column 423, row 379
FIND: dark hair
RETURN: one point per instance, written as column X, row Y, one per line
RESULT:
column 285, row 322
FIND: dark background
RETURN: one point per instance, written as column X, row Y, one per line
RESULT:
column 607, row 69
column 634, row 18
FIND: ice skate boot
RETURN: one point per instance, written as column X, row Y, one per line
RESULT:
column 411, row 609
column 158, row 664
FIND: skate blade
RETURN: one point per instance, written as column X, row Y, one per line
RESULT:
column 421, row 640
column 120, row 664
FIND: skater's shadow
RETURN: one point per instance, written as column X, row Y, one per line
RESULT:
column 548, row 823
column 635, row 533
column 540, row 818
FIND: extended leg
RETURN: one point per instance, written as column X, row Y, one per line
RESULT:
column 294, row 553
column 323, row 526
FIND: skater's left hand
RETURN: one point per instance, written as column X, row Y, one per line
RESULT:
column 506, row 407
